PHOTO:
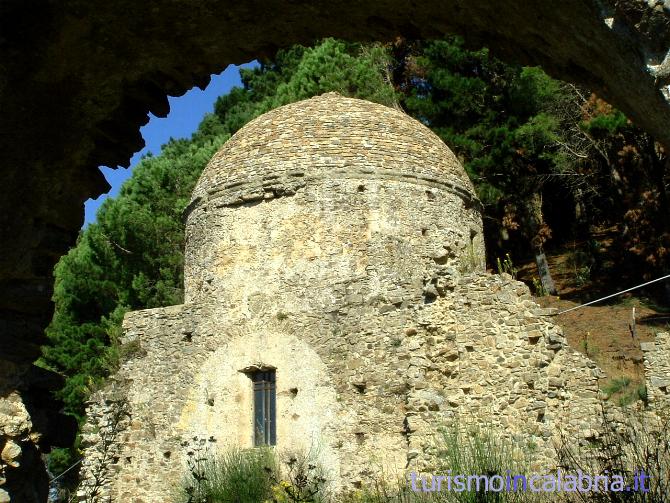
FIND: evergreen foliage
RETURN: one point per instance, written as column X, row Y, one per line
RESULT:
column 498, row 119
column 550, row 161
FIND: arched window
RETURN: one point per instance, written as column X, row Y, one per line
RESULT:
column 265, row 407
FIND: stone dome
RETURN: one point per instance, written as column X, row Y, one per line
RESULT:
column 329, row 135
column 327, row 191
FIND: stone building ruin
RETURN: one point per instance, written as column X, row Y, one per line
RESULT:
column 80, row 78
column 336, row 302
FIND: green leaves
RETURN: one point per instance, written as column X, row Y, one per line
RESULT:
column 607, row 124
column 499, row 119
column 130, row 258
column 344, row 68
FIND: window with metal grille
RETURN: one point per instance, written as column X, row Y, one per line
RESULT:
column 265, row 408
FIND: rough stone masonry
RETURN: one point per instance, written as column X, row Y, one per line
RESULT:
column 339, row 243
column 79, row 78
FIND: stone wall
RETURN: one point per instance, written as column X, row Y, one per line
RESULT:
column 327, row 194
column 340, row 243
column 16, row 436
column 657, row 372
column 364, row 388
column 30, row 423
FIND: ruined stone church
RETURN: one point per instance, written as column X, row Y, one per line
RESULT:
column 336, row 303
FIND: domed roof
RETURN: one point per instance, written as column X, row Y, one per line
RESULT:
column 329, row 135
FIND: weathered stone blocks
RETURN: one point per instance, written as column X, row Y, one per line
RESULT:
column 338, row 242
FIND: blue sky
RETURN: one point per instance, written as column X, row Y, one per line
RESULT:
column 186, row 112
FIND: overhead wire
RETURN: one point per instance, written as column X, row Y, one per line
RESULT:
column 610, row 296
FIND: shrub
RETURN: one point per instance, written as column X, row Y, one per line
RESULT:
column 641, row 392
column 303, row 481
column 475, row 451
column 237, row 476
column 506, row 266
column 250, row 476
column 131, row 349
column 617, row 385
column 627, row 395
column 461, row 451
column 538, row 287
column 631, row 440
